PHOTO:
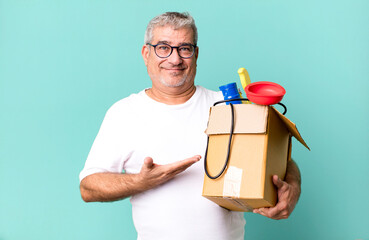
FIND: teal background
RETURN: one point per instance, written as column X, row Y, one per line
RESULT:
column 64, row 63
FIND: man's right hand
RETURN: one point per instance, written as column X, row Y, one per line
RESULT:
column 108, row 186
column 152, row 175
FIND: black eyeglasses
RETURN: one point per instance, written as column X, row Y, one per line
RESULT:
column 164, row 50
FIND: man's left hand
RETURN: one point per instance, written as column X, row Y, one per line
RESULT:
column 288, row 195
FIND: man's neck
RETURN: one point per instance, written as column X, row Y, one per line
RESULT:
column 171, row 96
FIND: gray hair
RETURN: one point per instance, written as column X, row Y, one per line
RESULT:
column 175, row 19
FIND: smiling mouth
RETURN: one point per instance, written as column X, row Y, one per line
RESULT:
column 174, row 69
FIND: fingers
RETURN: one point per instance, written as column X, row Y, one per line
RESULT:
column 263, row 211
column 172, row 168
column 187, row 162
column 268, row 212
column 286, row 201
column 152, row 175
column 259, row 211
column 191, row 159
column 184, row 163
column 148, row 162
column 278, row 182
column 276, row 212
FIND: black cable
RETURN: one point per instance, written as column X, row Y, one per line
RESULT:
column 230, row 137
column 245, row 99
column 228, row 152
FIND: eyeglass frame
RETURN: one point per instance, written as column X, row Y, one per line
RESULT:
column 174, row 47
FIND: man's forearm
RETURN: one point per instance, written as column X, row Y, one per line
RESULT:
column 103, row 187
column 293, row 175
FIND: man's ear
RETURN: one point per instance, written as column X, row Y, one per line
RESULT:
column 197, row 52
column 145, row 53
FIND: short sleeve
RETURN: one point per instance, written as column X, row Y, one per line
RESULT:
column 109, row 149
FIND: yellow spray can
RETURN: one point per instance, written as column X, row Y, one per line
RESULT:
column 244, row 78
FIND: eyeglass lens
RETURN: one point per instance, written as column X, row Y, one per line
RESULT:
column 165, row 50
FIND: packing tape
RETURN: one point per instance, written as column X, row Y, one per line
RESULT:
column 232, row 182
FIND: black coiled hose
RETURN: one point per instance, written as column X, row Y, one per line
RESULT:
column 230, row 137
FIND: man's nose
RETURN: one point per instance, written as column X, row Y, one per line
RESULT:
column 174, row 58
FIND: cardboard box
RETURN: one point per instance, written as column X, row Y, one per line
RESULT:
column 260, row 148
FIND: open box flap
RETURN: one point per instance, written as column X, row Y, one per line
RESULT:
column 249, row 118
column 291, row 128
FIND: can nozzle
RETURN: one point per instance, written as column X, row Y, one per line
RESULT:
column 244, row 78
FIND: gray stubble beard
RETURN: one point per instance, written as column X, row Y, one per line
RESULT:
column 178, row 84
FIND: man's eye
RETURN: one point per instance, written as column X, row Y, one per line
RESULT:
column 163, row 47
column 185, row 49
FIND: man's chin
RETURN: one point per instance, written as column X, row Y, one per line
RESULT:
column 174, row 82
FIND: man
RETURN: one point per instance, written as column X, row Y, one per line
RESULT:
column 157, row 137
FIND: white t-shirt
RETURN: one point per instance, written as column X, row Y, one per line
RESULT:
column 137, row 127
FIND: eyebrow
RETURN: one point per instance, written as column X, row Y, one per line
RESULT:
column 180, row 44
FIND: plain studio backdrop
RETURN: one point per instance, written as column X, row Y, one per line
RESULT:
column 64, row 63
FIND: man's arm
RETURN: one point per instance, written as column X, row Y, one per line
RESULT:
column 103, row 187
column 288, row 194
